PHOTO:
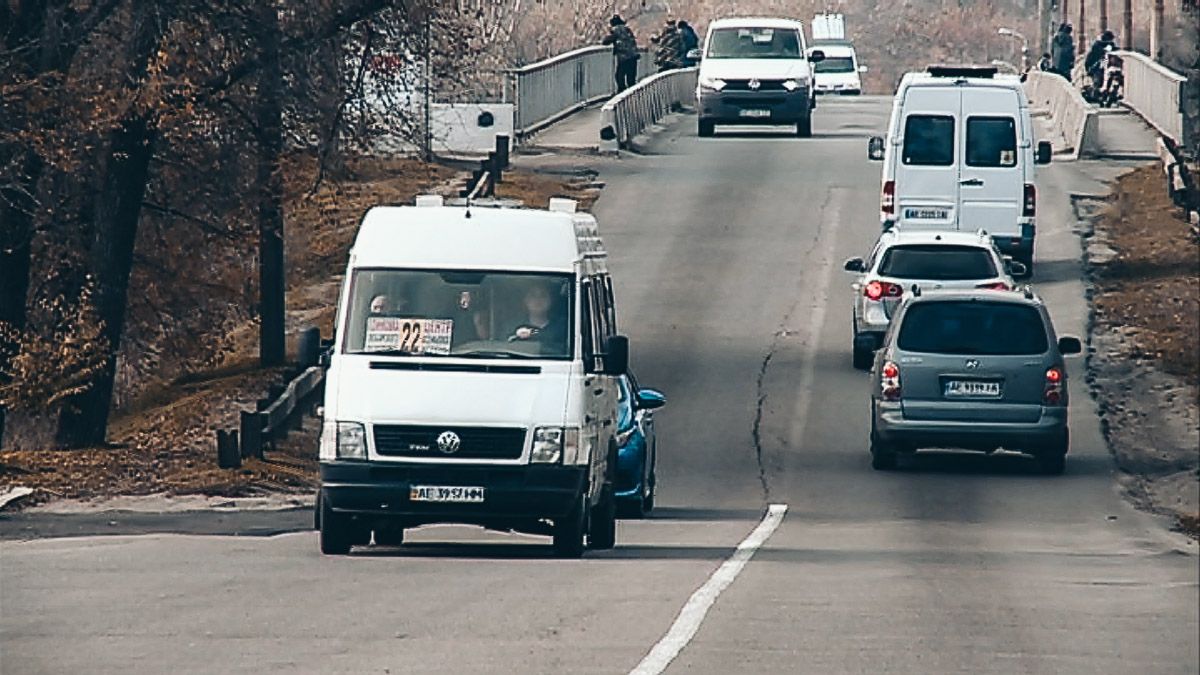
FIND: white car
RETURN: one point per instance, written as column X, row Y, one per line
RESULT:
column 838, row 72
column 930, row 260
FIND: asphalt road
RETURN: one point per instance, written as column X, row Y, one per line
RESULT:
column 727, row 255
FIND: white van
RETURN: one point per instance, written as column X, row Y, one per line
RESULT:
column 839, row 72
column 756, row 71
column 959, row 155
column 473, row 378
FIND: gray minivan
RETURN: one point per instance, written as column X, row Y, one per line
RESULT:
column 971, row 370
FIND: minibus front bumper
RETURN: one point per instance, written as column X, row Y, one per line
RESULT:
column 510, row 493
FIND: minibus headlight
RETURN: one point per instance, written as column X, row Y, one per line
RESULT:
column 712, row 83
column 551, row 444
column 792, row 85
column 343, row 440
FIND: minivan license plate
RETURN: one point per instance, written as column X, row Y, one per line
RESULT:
column 755, row 113
column 972, row 389
column 926, row 214
column 446, row 493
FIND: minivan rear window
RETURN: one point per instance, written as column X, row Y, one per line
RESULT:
column 937, row 263
column 928, row 140
column 973, row 328
column 991, row 141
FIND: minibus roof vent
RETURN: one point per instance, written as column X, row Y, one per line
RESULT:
column 986, row 72
column 563, row 205
column 430, row 200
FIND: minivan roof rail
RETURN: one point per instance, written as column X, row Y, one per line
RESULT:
column 986, row 72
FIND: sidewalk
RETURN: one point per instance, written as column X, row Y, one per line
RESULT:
column 1121, row 134
column 578, row 132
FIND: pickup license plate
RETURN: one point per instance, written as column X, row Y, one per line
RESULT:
column 972, row 389
column 755, row 113
column 446, row 493
column 926, row 214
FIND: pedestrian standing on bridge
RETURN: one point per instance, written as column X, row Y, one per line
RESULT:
column 625, row 51
column 688, row 40
column 666, row 57
column 1062, row 51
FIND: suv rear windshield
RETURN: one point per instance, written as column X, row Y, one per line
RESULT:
column 973, row 328
column 929, row 140
column 937, row 263
column 754, row 43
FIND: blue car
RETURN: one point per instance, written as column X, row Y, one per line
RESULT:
column 637, row 447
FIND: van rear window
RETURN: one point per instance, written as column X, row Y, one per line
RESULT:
column 928, row 140
column 973, row 328
column 991, row 141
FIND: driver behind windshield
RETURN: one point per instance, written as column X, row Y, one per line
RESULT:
column 542, row 323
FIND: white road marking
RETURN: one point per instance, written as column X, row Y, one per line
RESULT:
column 693, row 613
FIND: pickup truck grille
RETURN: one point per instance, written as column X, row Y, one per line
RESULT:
column 421, row 441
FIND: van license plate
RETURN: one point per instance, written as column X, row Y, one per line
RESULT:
column 926, row 214
column 972, row 389
column 755, row 113
column 443, row 493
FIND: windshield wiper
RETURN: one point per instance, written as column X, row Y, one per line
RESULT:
column 494, row 353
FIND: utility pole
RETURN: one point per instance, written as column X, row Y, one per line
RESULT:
column 428, row 84
column 1103, row 15
column 1043, row 21
column 1127, row 39
column 1156, row 31
column 269, row 118
column 1081, row 29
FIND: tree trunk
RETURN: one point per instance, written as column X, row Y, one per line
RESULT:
column 270, row 190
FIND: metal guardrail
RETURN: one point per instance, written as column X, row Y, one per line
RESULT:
column 629, row 113
column 1155, row 92
column 546, row 91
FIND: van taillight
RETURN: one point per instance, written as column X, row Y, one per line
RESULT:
column 889, row 383
column 1030, row 201
column 1053, row 392
column 888, row 203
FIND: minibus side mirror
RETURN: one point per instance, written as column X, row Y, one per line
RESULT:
column 1043, row 152
column 875, row 149
column 1069, row 345
column 817, row 56
column 616, row 358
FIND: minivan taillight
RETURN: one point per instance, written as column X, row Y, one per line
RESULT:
column 887, row 203
column 1030, row 208
column 1053, row 392
column 889, row 382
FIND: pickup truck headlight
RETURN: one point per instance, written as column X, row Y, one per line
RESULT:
column 343, row 440
column 712, row 83
column 551, row 444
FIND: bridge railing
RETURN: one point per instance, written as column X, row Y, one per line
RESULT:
column 629, row 113
column 548, row 90
column 1156, row 93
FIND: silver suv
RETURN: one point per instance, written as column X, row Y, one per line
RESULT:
column 971, row 370
column 929, row 259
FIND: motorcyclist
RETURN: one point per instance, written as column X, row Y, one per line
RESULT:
column 1093, row 64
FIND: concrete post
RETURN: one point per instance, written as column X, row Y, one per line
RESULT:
column 1156, row 31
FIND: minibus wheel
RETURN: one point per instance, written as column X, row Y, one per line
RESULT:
column 569, row 531
column 335, row 530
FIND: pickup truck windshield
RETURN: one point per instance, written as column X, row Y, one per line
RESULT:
column 460, row 314
column 754, row 43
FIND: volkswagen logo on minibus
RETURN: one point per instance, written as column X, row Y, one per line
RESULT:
column 448, row 442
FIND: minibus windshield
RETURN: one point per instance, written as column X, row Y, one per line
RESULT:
column 754, row 43
column 467, row 314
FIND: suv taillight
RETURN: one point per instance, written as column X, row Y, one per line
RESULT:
column 887, row 202
column 1030, row 208
column 1053, row 392
column 880, row 289
column 995, row 286
column 889, row 383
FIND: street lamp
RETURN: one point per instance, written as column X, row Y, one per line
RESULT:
column 1008, row 32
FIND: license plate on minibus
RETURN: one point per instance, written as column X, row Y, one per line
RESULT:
column 926, row 214
column 446, row 493
column 755, row 113
column 972, row 389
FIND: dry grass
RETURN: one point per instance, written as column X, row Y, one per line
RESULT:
column 1153, row 285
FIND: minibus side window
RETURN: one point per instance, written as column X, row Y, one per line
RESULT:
column 599, row 323
column 991, row 141
column 928, row 140
column 610, row 305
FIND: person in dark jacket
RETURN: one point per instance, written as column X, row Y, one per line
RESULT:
column 1062, row 51
column 688, row 40
column 1093, row 63
column 625, row 50
column 666, row 57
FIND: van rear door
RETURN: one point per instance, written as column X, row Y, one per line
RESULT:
column 990, row 184
column 927, row 167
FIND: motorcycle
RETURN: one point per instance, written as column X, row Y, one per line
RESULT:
column 1108, row 81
